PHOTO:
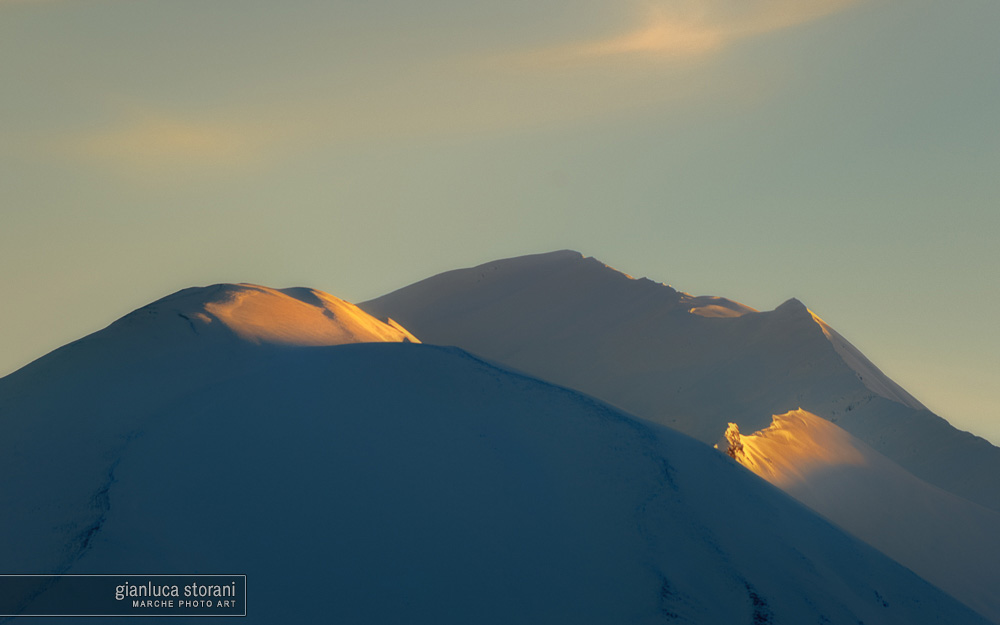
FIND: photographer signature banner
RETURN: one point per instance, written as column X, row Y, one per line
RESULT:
column 123, row 595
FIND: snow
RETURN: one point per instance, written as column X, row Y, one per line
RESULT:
column 295, row 316
column 691, row 363
column 98, row 388
column 945, row 539
column 394, row 482
column 706, row 307
column 872, row 377
column 795, row 445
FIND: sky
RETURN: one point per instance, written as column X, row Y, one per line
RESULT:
column 844, row 152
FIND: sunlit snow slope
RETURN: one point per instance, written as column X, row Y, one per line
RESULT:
column 404, row 483
column 258, row 314
column 945, row 539
column 693, row 363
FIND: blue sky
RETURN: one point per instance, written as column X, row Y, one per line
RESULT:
column 845, row 152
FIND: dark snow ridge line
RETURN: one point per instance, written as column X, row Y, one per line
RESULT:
column 668, row 599
column 608, row 411
column 881, row 599
column 648, row 532
column 762, row 615
column 102, row 502
column 190, row 322
column 858, row 403
column 81, row 543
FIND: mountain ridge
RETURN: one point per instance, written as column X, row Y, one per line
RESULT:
column 408, row 482
column 945, row 539
column 576, row 321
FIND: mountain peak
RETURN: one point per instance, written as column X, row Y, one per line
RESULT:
column 560, row 254
column 792, row 305
column 870, row 375
column 263, row 315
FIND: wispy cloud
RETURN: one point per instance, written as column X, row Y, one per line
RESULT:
column 152, row 141
column 681, row 29
column 669, row 31
column 465, row 95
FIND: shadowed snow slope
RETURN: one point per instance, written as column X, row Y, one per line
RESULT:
column 645, row 347
column 405, row 483
column 945, row 539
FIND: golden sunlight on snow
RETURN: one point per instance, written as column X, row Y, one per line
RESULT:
column 879, row 502
column 300, row 317
column 713, row 311
column 793, row 446
column 710, row 306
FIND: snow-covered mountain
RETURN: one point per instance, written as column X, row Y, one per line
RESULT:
column 692, row 363
column 64, row 414
column 398, row 482
column 949, row 541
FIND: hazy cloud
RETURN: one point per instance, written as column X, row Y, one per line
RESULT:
column 462, row 95
column 152, row 141
column 690, row 28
